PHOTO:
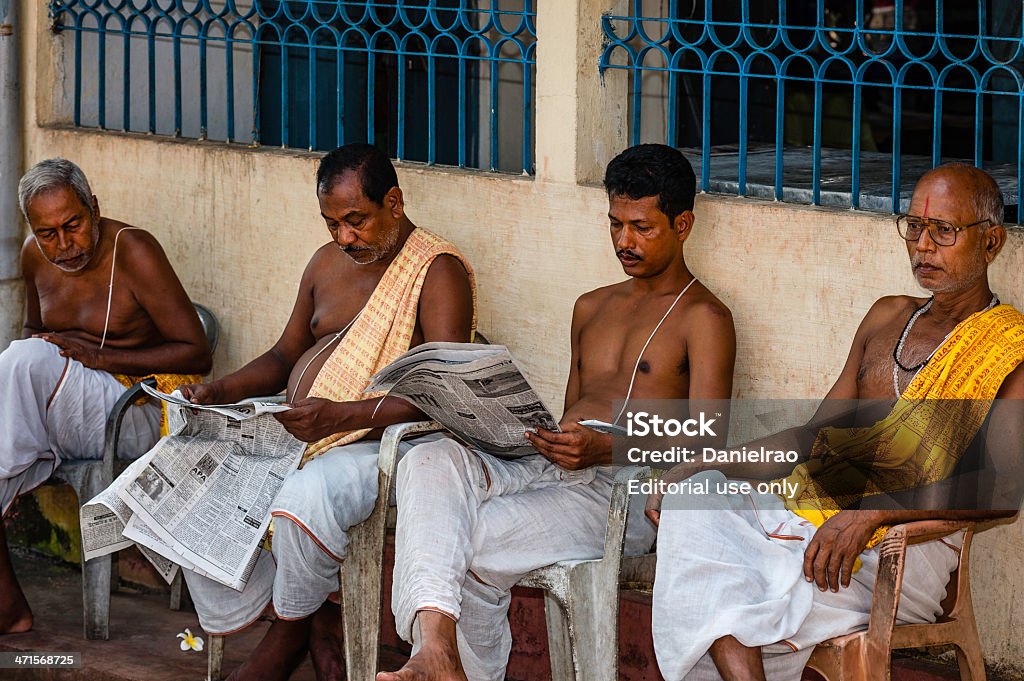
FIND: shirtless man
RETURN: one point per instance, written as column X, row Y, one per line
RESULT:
column 364, row 209
column 745, row 605
column 58, row 383
column 471, row 524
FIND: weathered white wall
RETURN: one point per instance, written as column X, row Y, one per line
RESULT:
column 239, row 225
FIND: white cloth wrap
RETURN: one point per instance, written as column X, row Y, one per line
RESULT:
column 312, row 515
column 54, row 409
column 470, row 525
column 720, row 574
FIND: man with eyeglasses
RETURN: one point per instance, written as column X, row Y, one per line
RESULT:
column 747, row 585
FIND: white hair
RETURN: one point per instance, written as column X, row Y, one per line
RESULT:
column 53, row 173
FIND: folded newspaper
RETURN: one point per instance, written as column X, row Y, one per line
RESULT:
column 239, row 411
column 201, row 497
column 476, row 391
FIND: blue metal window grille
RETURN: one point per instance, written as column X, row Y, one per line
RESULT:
column 827, row 102
column 438, row 81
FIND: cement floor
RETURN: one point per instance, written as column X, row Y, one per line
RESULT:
column 143, row 643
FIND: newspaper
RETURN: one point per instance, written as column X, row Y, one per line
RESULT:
column 477, row 391
column 200, row 498
column 238, row 412
column 104, row 517
column 604, row 427
column 105, row 520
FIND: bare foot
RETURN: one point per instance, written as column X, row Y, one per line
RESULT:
column 737, row 662
column 429, row 664
column 275, row 658
column 15, row 616
column 325, row 643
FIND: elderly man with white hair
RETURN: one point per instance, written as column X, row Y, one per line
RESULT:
column 103, row 308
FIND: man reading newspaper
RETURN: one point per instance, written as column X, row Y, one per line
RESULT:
column 378, row 287
column 471, row 524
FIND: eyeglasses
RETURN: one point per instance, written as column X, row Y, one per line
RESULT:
column 943, row 233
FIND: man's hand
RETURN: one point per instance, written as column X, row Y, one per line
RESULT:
column 575, row 448
column 652, row 509
column 203, row 393
column 313, row 418
column 829, row 559
column 89, row 355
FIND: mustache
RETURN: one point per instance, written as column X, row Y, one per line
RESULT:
column 625, row 252
column 74, row 256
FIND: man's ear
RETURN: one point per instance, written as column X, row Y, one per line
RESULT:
column 683, row 224
column 994, row 238
column 95, row 208
column 395, row 202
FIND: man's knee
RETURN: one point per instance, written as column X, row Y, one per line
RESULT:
column 441, row 460
column 31, row 357
column 293, row 543
column 339, row 475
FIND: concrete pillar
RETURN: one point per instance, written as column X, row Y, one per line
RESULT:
column 10, row 171
column 581, row 116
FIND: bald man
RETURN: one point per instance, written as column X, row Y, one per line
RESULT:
column 747, row 585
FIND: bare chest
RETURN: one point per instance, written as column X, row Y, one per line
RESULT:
column 78, row 304
column 339, row 294
column 338, row 299
column 875, row 375
column 617, row 344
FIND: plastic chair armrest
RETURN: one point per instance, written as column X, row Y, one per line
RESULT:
column 112, row 433
column 393, row 435
column 889, row 580
column 618, row 510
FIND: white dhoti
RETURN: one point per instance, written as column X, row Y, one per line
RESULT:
column 471, row 525
column 732, row 565
column 54, row 409
column 312, row 515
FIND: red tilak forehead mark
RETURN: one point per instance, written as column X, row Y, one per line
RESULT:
column 927, row 200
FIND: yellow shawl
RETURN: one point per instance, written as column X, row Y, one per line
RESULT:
column 165, row 383
column 382, row 332
column 917, row 444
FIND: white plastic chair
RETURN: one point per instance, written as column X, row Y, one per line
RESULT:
column 581, row 598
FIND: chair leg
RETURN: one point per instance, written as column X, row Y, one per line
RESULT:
column 970, row 661
column 593, row 618
column 559, row 639
column 214, row 657
column 361, row 603
column 176, row 588
column 96, row 598
column 97, row 574
column 843, row 664
column 870, row 671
